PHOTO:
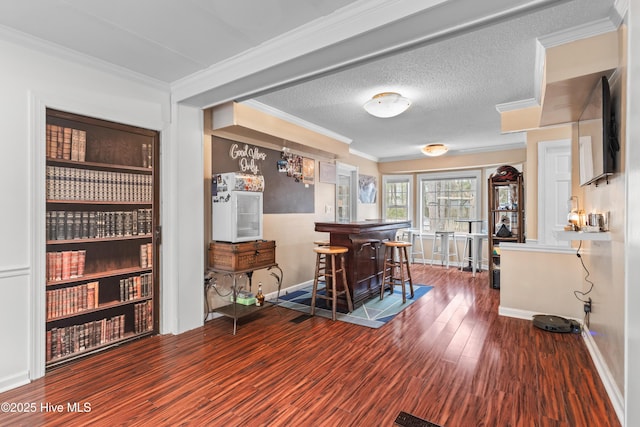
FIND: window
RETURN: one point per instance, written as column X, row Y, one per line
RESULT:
column 396, row 197
column 448, row 197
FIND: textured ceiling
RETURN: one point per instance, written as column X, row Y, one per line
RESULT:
column 455, row 85
column 456, row 59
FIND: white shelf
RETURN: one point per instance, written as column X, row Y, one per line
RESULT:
column 582, row 235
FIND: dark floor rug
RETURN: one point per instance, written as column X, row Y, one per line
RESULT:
column 374, row 313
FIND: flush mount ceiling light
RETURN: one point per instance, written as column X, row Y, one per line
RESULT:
column 434, row 150
column 387, row 104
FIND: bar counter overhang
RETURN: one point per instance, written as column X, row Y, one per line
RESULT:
column 365, row 260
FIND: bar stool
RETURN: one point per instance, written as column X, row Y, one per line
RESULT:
column 396, row 264
column 322, row 242
column 410, row 235
column 481, row 258
column 326, row 272
column 441, row 247
column 473, row 241
column 467, row 252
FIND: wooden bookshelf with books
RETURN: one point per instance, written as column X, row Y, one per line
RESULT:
column 102, row 235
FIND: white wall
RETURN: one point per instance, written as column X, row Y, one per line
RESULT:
column 189, row 152
column 29, row 82
column 632, row 201
column 537, row 279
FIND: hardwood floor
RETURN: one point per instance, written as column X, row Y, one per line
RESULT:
column 449, row 358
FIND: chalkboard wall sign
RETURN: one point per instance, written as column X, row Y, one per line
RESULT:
column 282, row 193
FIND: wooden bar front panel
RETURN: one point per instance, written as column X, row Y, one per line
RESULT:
column 365, row 259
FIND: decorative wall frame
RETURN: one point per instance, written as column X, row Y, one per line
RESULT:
column 367, row 189
column 327, row 172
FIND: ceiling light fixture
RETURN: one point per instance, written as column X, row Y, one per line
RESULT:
column 434, row 150
column 387, row 104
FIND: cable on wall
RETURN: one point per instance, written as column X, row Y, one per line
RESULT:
column 581, row 295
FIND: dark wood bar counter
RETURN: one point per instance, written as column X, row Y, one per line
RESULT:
column 365, row 259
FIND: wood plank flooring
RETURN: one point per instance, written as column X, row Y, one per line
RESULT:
column 449, row 358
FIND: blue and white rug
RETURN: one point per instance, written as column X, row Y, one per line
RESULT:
column 374, row 313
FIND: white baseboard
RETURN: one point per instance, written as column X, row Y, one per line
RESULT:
column 272, row 295
column 14, row 381
column 516, row 313
column 615, row 396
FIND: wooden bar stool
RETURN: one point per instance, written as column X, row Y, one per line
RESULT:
column 396, row 264
column 323, row 258
column 326, row 271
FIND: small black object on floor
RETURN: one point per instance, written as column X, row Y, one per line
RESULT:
column 407, row 420
column 301, row 318
column 556, row 324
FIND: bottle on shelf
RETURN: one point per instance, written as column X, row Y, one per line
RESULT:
column 260, row 296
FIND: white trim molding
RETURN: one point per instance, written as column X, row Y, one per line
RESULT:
column 17, row 380
column 619, row 11
column 295, row 120
column 76, row 57
column 529, row 247
column 517, row 105
column 139, row 113
column 14, row 271
column 579, row 32
column 616, row 397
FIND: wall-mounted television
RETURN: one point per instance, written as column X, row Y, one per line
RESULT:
column 598, row 143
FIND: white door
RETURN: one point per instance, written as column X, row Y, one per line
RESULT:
column 346, row 192
column 554, row 189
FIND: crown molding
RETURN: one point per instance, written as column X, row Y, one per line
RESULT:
column 558, row 38
column 60, row 52
column 579, row 32
column 619, row 11
column 502, row 147
column 363, row 155
column 459, row 152
column 295, row 120
column 221, row 82
column 347, row 22
column 517, row 105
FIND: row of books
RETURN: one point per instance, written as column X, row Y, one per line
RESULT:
column 143, row 317
column 70, row 225
column 68, row 340
column 66, row 143
column 136, row 287
column 97, row 185
column 146, row 255
column 72, row 300
column 65, row 265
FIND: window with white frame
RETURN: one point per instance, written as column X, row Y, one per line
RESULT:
column 396, row 197
column 448, row 198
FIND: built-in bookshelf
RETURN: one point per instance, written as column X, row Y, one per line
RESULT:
column 102, row 235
